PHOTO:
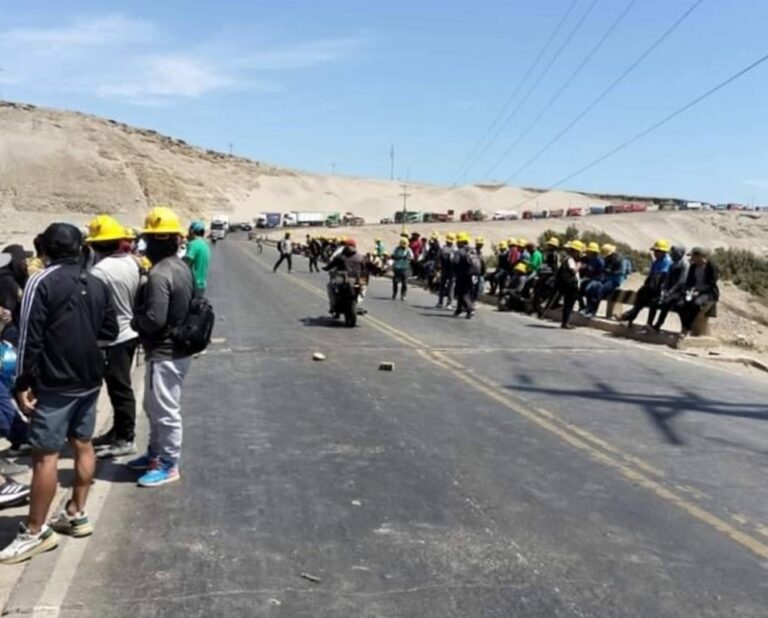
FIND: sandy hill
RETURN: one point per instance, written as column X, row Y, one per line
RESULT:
column 56, row 164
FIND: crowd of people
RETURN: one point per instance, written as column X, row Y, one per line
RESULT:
column 573, row 275
column 74, row 312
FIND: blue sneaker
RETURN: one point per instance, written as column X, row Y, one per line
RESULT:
column 162, row 475
column 145, row 462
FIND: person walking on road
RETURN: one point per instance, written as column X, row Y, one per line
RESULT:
column 478, row 288
column 121, row 274
column 65, row 313
column 285, row 247
column 466, row 266
column 313, row 253
column 446, row 272
column 402, row 258
column 198, row 255
column 162, row 307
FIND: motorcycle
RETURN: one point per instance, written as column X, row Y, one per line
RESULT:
column 344, row 292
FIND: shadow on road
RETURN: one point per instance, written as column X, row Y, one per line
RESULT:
column 662, row 409
column 322, row 321
column 114, row 472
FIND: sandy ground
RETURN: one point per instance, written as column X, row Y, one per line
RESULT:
column 66, row 166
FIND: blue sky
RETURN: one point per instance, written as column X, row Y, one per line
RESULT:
column 311, row 84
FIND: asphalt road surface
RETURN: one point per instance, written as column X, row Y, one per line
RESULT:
column 505, row 468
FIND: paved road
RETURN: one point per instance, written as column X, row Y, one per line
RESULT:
column 505, row 468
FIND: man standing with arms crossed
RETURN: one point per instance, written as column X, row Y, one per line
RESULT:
column 65, row 312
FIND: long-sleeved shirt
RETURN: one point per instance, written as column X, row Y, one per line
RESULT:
column 65, row 312
column 163, row 305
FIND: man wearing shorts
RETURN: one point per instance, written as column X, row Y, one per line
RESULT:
column 65, row 312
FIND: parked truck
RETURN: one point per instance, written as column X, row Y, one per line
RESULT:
column 409, row 216
column 347, row 219
column 269, row 220
column 297, row 218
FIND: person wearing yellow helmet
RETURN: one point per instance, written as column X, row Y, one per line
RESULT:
column 568, row 280
column 118, row 270
column 499, row 276
column 447, row 279
column 649, row 293
column 466, row 266
column 591, row 273
column 379, row 248
column 164, row 308
column 513, row 297
column 615, row 271
column 403, row 258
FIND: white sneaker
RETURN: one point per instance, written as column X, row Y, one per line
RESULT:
column 26, row 544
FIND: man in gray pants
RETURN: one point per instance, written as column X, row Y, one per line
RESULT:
column 163, row 305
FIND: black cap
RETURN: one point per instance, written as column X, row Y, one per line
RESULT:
column 62, row 240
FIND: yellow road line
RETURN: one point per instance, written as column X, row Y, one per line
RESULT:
column 595, row 447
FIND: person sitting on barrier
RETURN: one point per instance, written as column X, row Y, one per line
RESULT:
column 479, row 284
column 502, row 268
column 591, row 270
column 615, row 273
column 672, row 290
column 650, row 291
column 514, row 255
column 701, row 289
column 517, row 286
column 552, row 254
column 535, row 257
column 522, row 246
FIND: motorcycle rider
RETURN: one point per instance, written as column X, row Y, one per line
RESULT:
column 347, row 260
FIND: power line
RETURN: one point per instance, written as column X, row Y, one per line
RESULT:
column 535, row 85
column 652, row 127
column 514, row 94
column 564, row 87
column 607, row 90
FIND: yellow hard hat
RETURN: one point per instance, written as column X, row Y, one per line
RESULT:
column 503, row 245
column 522, row 242
column 104, row 228
column 511, row 242
column 593, row 247
column 450, row 237
column 479, row 240
column 342, row 238
column 435, row 235
column 521, row 267
column 661, row 245
column 608, row 249
column 403, row 242
column 377, row 240
column 553, row 242
column 162, row 221
column 577, row 245
column 462, row 237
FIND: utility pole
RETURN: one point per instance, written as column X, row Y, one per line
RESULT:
column 392, row 162
column 230, row 148
column 405, row 195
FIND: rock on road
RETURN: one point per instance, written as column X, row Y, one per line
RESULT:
column 505, row 468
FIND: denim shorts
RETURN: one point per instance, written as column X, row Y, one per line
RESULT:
column 59, row 417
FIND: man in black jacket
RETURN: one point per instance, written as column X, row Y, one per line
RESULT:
column 701, row 289
column 65, row 312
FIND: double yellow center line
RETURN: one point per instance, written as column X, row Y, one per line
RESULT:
column 630, row 467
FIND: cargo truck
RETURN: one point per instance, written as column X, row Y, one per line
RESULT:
column 298, row 218
column 269, row 220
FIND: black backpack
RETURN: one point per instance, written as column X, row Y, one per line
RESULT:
column 194, row 335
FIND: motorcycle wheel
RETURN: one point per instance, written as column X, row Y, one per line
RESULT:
column 350, row 316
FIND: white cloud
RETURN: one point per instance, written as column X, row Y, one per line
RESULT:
column 132, row 61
